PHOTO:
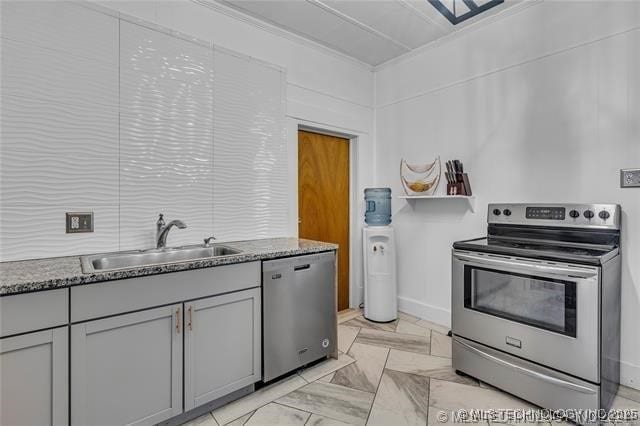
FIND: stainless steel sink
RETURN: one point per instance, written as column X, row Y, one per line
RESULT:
column 132, row 259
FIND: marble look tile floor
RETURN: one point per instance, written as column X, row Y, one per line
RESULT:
column 391, row 374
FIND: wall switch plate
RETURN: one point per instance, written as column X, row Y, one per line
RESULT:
column 630, row 178
column 79, row 222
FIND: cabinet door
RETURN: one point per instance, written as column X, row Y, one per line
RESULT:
column 127, row 369
column 34, row 381
column 222, row 345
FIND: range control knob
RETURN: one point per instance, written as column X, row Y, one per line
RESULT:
column 496, row 212
column 588, row 214
column 506, row 212
column 574, row 214
column 604, row 215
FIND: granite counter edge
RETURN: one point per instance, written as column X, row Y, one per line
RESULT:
column 84, row 279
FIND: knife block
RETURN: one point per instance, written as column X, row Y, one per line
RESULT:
column 456, row 188
column 461, row 186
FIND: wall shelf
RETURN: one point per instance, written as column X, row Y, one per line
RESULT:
column 470, row 200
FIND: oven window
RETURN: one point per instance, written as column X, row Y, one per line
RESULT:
column 545, row 303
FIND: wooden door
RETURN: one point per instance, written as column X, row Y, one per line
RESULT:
column 127, row 369
column 323, row 198
column 222, row 346
column 34, row 382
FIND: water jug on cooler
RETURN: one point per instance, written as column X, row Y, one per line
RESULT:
column 380, row 282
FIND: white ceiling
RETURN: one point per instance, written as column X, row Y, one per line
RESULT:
column 372, row 31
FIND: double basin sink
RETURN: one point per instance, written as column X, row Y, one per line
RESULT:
column 141, row 258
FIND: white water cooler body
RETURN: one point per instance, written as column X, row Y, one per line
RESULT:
column 380, row 280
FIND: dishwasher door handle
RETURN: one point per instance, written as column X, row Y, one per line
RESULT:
column 302, row 267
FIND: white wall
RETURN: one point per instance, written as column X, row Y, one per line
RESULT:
column 542, row 105
column 323, row 90
column 322, row 87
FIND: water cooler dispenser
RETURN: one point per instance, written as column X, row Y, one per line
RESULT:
column 380, row 282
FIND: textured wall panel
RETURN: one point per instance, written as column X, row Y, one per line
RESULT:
column 39, row 231
column 54, row 153
column 138, row 224
column 103, row 115
column 59, row 128
column 63, row 26
column 166, row 136
column 57, row 76
column 250, row 158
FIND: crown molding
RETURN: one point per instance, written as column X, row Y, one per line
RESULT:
column 231, row 12
column 424, row 16
column 222, row 7
column 359, row 24
column 473, row 26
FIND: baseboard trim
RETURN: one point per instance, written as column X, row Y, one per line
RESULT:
column 630, row 375
column 425, row 311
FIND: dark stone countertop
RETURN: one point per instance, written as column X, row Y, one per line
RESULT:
column 60, row 272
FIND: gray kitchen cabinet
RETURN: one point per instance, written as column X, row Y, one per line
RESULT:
column 127, row 369
column 222, row 345
column 34, row 382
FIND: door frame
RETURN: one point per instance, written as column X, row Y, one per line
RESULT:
column 355, row 291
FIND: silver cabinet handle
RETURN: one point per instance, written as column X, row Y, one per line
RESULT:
column 178, row 321
column 546, row 269
column 531, row 373
column 190, row 323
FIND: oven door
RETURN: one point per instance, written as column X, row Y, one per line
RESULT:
column 542, row 311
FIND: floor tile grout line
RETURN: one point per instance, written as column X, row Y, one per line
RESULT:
column 248, row 418
column 375, row 395
column 302, row 377
column 323, row 415
column 353, row 341
column 259, row 407
column 308, row 418
column 304, row 411
column 401, row 334
column 428, row 401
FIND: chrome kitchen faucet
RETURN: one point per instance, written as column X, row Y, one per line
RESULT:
column 162, row 230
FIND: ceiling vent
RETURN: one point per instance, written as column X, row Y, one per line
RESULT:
column 457, row 11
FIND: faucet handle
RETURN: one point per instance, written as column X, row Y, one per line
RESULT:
column 208, row 240
column 160, row 219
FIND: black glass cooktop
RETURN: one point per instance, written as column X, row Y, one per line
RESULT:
column 543, row 250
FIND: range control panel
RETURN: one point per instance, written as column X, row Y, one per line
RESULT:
column 550, row 213
column 606, row 216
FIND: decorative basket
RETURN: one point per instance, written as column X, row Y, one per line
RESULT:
column 420, row 179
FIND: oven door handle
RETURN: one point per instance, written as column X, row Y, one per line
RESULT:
column 531, row 373
column 546, row 269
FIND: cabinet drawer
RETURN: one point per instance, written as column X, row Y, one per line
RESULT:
column 117, row 297
column 22, row 313
column 35, row 378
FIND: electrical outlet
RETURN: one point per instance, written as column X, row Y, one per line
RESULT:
column 629, row 178
column 79, row 222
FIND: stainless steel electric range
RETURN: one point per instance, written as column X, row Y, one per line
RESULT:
column 536, row 304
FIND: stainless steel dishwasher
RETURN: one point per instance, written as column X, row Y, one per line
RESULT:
column 299, row 312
